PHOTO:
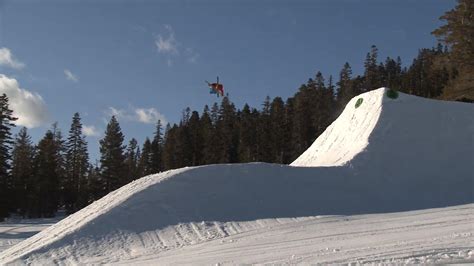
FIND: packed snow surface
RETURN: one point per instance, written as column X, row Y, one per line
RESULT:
column 387, row 155
column 14, row 231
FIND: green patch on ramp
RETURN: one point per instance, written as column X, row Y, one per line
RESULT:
column 359, row 102
column 392, row 94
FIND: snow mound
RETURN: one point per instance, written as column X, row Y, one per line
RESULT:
column 387, row 155
column 406, row 132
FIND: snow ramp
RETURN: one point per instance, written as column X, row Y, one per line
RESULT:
column 386, row 155
column 406, row 131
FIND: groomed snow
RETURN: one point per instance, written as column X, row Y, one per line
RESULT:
column 15, row 230
column 444, row 235
column 385, row 156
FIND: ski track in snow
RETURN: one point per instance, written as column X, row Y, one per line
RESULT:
column 443, row 235
column 401, row 162
column 428, row 236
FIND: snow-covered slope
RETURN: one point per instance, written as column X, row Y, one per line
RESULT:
column 406, row 132
column 396, row 155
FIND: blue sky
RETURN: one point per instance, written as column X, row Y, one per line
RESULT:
column 147, row 60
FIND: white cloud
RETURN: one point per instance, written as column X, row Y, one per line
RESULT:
column 70, row 76
column 90, row 131
column 168, row 44
column 149, row 116
column 141, row 115
column 7, row 59
column 118, row 113
column 28, row 106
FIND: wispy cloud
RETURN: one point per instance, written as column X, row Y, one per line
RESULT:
column 70, row 76
column 90, row 131
column 117, row 112
column 28, row 106
column 167, row 45
column 7, row 59
column 149, row 116
column 137, row 114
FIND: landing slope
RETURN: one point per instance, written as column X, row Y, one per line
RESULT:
column 410, row 154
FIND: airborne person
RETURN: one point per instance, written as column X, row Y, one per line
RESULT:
column 216, row 88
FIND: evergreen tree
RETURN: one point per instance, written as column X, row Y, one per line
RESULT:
column 157, row 149
column 48, row 172
column 95, row 184
column 171, row 153
column 248, row 135
column 112, row 166
column 196, row 139
column 344, row 91
column 209, row 122
column 264, row 140
column 227, row 133
column 290, row 134
column 22, row 171
column 371, row 73
column 77, row 166
column 302, row 126
column 392, row 74
column 317, row 113
column 458, row 34
column 144, row 163
column 131, row 160
column 208, row 133
column 6, row 124
column 277, row 130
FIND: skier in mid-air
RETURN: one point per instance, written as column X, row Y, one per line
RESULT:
column 216, row 88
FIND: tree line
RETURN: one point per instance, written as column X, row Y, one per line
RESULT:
column 36, row 180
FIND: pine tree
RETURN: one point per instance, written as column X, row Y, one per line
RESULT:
column 277, row 130
column 196, row 139
column 227, row 133
column 344, row 91
column 211, row 146
column 6, row 124
column 95, row 185
column 157, row 149
column 22, row 171
column 77, row 166
column 144, row 163
column 371, row 73
column 112, row 166
column 206, row 128
column 131, row 160
column 248, row 135
column 264, row 140
column 48, row 172
column 290, row 134
column 458, row 34
column 171, row 150
column 302, row 126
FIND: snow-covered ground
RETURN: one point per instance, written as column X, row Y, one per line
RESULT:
column 381, row 169
column 14, row 231
column 442, row 235
column 428, row 236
